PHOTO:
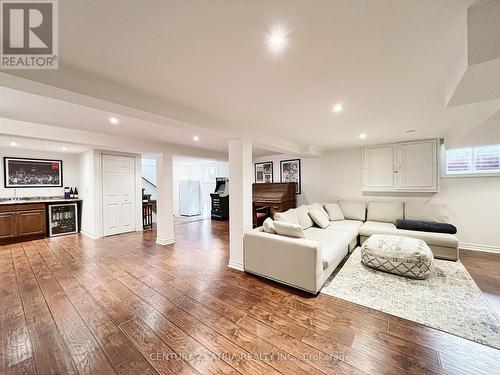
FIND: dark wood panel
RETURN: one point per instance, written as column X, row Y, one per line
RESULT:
column 22, row 222
column 7, row 225
column 30, row 223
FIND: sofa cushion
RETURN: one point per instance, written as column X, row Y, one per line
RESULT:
column 334, row 211
column 268, row 226
column 319, row 218
column 351, row 226
column 426, row 226
column 353, row 210
column 399, row 255
column 334, row 244
column 318, row 206
column 289, row 229
column 432, row 239
column 289, row 216
column 303, row 217
column 387, row 212
column 426, row 212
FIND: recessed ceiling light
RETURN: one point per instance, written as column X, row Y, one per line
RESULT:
column 64, row 148
column 337, row 108
column 13, row 144
column 276, row 40
column 362, row 136
column 196, row 138
column 113, row 120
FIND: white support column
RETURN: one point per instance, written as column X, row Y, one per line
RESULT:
column 164, row 201
column 240, row 198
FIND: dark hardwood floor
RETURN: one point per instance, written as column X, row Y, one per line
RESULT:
column 126, row 305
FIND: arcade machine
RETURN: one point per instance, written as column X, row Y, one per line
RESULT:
column 220, row 199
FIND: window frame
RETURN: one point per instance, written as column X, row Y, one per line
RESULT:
column 444, row 166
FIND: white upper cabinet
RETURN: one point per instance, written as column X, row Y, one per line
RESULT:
column 409, row 166
column 378, row 171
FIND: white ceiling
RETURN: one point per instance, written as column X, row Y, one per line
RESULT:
column 204, row 63
column 41, row 145
column 24, row 106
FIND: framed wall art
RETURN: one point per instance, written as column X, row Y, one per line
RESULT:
column 290, row 172
column 32, row 173
column 263, row 172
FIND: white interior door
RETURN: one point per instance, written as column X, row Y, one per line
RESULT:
column 118, row 189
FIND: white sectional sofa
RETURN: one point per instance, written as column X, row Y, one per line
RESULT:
column 307, row 262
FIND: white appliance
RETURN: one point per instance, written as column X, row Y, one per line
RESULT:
column 189, row 198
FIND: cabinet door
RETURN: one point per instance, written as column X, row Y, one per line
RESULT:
column 417, row 166
column 7, row 225
column 30, row 223
column 378, row 168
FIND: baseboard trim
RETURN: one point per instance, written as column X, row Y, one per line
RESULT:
column 476, row 247
column 236, row 265
column 165, row 241
column 89, row 235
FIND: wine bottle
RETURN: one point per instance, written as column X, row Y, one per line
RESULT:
column 76, row 193
column 71, row 193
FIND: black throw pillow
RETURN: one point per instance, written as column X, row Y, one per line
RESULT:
column 426, row 226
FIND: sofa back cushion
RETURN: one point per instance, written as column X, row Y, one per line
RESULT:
column 386, row 212
column 426, row 212
column 318, row 206
column 353, row 210
column 288, row 229
column 303, row 217
column 334, row 211
column 269, row 226
column 289, row 216
column 319, row 217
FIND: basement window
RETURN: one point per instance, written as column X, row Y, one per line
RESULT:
column 473, row 161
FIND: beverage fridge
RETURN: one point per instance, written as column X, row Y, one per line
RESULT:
column 63, row 219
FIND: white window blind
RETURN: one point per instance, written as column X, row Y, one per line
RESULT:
column 459, row 161
column 487, row 159
column 477, row 160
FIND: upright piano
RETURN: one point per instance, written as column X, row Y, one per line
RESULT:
column 279, row 196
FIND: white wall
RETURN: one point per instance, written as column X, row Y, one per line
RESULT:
column 148, row 170
column 473, row 203
column 70, row 173
column 197, row 172
column 86, row 190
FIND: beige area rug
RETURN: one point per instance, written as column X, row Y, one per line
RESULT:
column 448, row 300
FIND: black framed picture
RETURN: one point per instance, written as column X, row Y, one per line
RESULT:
column 290, row 172
column 263, row 172
column 32, row 173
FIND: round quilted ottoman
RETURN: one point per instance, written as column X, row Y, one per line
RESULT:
column 399, row 255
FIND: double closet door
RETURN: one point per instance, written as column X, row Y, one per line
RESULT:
column 118, row 191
